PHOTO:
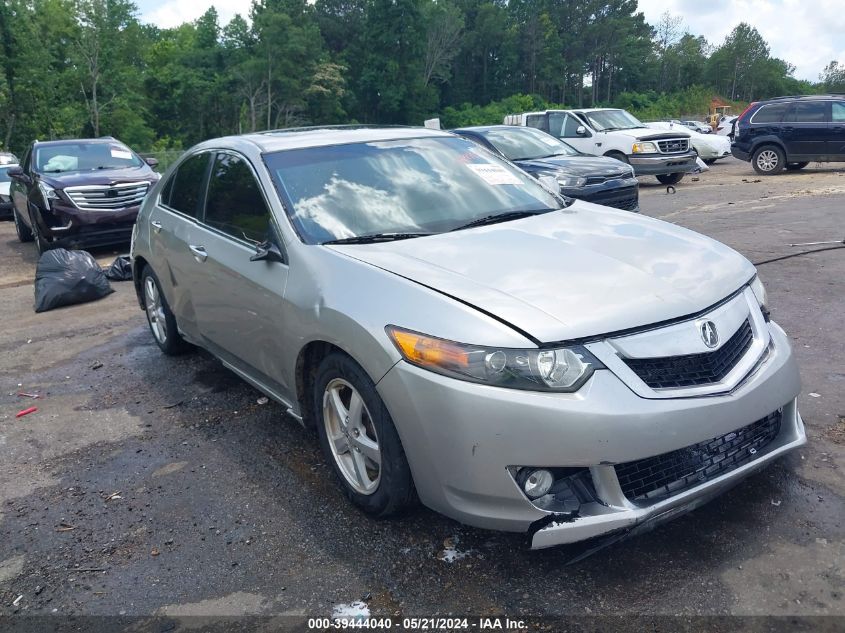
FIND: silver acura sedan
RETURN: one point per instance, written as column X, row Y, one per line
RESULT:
column 459, row 334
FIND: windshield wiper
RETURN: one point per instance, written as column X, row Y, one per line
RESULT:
column 376, row 237
column 500, row 217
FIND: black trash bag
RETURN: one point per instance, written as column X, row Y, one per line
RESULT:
column 66, row 277
column 120, row 269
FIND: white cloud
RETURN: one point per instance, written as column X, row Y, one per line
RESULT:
column 805, row 34
column 169, row 13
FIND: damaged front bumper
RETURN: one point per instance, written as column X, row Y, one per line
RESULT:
column 72, row 227
column 616, row 514
column 465, row 441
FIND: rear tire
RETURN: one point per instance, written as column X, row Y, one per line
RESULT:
column 671, row 179
column 359, row 439
column 796, row 166
column 23, row 231
column 160, row 318
column 768, row 160
column 709, row 161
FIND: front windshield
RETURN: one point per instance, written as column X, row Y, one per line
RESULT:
column 4, row 174
column 84, row 157
column 420, row 185
column 524, row 143
column 613, row 120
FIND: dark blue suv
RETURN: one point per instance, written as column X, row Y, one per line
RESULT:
column 791, row 132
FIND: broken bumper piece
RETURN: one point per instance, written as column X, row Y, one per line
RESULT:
column 616, row 516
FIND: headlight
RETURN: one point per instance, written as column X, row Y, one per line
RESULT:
column 48, row 193
column 568, row 180
column 645, row 147
column 759, row 291
column 563, row 369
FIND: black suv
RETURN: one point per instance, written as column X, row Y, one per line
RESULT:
column 82, row 192
column 791, row 132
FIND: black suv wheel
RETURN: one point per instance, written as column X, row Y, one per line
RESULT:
column 768, row 160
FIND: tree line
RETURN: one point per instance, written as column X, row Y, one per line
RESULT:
column 91, row 67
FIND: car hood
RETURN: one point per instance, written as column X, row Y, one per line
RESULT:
column 578, row 165
column 4, row 188
column 100, row 177
column 581, row 272
column 650, row 134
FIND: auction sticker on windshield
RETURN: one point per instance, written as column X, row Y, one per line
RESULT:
column 121, row 153
column 494, row 174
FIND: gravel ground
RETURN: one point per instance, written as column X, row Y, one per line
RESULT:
column 159, row 486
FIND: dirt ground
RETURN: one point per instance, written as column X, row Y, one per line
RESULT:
column 154, row 485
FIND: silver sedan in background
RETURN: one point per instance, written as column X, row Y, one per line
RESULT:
column 460, row 335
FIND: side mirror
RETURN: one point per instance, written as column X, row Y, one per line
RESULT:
column 152, row 162
column 581, row 130
column 267, row 251
column 17, row 173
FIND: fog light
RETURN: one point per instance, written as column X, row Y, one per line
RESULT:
column 537, row 483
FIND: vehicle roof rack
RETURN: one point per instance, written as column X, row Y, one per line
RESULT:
column 819, row 96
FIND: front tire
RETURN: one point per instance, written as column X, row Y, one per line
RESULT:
column 358, row 437
column 768, row 160
column 23, row 231
column 619, row 156
column 41, row 243
column 670, row 179
column 160, row 318
column 796, row 166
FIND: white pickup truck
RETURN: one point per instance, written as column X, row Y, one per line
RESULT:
column 618, row 134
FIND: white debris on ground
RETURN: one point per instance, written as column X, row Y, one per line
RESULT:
column 357, row 609
column 450, row 552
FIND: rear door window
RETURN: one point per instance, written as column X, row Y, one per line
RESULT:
column 838, row 111
column 807, row 112
column 536, row 120
column 235, row 204
column 772, row 113
column 184, row 190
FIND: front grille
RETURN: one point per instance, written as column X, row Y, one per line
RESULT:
column 668, row 474
column 108, row 198
column 626, row 198
column 673, row 145
column 597, row 180
column 692, row 370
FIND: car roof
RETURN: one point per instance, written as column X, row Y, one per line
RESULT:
column 300, row 138
column 487, row 128
column 70, row 141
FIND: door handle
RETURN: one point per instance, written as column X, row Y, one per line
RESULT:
column 156, row 225
column 199, row 252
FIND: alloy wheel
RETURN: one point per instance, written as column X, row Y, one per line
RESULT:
column 155, row 310
column 352, row 436
column 768, row 160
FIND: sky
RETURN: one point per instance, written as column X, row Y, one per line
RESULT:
column 806, row 33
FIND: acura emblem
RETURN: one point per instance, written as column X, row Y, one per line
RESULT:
column 709, row 334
